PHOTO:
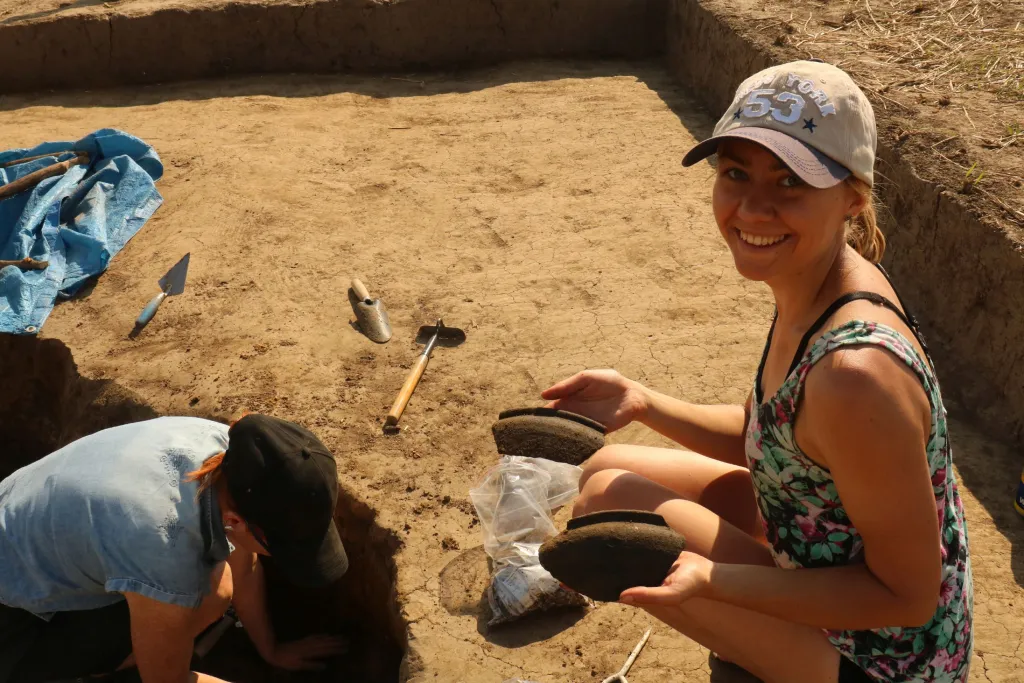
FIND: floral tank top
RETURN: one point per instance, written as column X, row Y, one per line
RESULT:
column 807, row 527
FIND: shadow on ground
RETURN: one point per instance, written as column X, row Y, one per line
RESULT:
column 991, row 471
column 379, row 86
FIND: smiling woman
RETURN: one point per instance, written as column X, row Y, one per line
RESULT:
column 826, row 536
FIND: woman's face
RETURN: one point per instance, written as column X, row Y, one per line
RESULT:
column 776, row 225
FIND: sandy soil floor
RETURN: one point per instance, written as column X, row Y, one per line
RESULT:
column 543, row 209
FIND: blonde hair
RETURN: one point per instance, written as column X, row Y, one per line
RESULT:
column 863, row 233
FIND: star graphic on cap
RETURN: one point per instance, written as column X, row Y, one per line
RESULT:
column 737, row 114
column 810, row 125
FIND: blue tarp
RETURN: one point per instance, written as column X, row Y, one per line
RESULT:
column 77, row 221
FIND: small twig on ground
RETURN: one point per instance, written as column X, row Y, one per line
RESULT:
column 969, row 117
column 867, row 6
column 409, row 80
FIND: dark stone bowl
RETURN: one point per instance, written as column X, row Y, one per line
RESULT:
column 545, row 433
column 604, row 553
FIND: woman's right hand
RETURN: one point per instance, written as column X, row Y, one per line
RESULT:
column 602, row 395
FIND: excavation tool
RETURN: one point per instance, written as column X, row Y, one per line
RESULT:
column 620, row 677
column 26, row 264
column 171, row 284
column 370, row 314
column 431, row 335
column 214, row 633
column 32, row 179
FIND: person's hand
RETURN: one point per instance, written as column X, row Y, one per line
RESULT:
column 307, row 654
column 602, row 395
column 689, row 577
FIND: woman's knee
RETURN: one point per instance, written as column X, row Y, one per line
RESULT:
column 611, row 457
column 611, row 489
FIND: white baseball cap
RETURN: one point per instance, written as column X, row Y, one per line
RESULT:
column 809, row 114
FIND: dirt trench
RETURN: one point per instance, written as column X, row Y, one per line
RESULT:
column 200, row 39
column 48, row 404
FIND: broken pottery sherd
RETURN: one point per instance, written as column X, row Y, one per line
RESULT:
column 604, row 553
column 547, row 433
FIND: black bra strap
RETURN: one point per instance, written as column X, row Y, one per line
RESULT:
column 835, row 306
column 908, row 320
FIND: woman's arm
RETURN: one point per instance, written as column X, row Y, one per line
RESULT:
column 249, row 600
column 716, row 431
column 615, row 401
column 250, row 603
column 871, row 417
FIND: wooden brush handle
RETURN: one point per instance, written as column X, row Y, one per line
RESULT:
column 406, row 393
column 360, row 289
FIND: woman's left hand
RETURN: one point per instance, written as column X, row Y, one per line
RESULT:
column 689, row 577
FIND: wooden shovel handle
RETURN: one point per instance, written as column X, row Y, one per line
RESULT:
column 25, row 160
column 360, row 289
column 32, row 179
column 406, row 393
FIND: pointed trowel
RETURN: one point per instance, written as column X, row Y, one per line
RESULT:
column 170, row 284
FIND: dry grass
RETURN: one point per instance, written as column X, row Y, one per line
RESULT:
column 941, row 47
column 964, row 54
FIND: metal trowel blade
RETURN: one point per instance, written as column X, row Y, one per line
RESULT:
column 371, row 317
column 174, row 281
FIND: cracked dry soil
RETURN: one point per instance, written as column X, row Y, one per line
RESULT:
column 542, row 208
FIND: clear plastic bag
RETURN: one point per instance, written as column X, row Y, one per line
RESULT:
column 514, row 502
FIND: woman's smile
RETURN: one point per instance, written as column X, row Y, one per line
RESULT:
column 759, row 242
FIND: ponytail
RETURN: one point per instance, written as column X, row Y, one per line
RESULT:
column 208, row 474
column 864, row 234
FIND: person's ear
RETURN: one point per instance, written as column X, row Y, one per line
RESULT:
column 233, row 520
column 855, row 202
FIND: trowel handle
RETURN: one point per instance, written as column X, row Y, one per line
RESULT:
column 360, row 289
column 150, row 310
column 406, row 393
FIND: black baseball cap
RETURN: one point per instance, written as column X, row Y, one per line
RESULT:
column 284, row 481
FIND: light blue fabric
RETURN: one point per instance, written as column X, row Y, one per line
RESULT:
column 109, row 513
column 77, row 221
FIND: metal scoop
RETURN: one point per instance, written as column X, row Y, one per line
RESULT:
column 432, row 336
column 171, row 284
column 370, row 314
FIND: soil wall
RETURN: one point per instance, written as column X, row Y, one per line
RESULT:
column 961, row 275
column 93, row 50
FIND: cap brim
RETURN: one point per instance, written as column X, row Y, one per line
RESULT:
column 315, row 565
column 813, row 167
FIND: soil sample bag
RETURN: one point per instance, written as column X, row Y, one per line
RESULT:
column 514, row 503
column 604, row 553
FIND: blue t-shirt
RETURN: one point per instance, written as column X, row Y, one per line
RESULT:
column 108, row 514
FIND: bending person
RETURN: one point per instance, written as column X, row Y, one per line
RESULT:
column 826, row 536
column 120, row 548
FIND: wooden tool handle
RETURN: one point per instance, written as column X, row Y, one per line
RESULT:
column 25, row 160
column 26, row 264
column 406, row 393
column 360, row 289
column 33, row 179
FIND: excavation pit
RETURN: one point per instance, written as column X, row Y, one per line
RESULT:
column 47, row 404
